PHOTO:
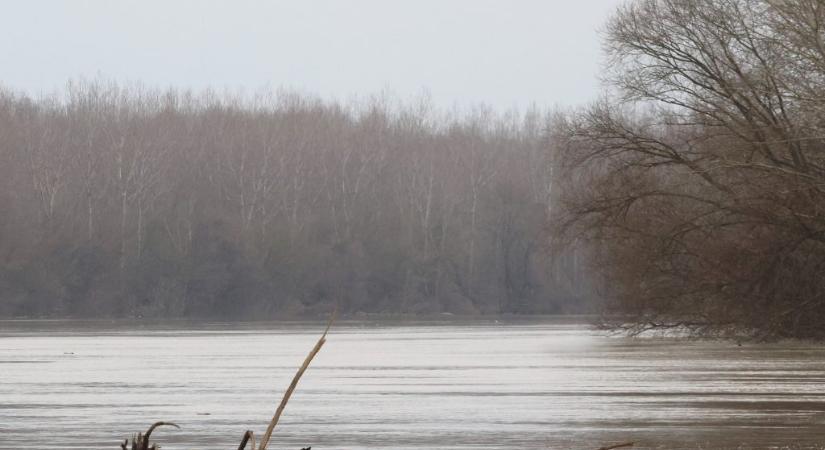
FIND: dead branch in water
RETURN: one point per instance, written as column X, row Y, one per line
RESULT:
column 246, row 437
column 294, row 384
column 141, row 441
column 626, row 444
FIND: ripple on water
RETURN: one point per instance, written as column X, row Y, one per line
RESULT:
column 479, row 386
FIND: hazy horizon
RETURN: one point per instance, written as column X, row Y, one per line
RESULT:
column 461, row 53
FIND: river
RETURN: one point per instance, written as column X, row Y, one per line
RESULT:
column 468, row 385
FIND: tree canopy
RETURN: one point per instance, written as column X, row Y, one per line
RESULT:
column 700, row 181
column 119, row 200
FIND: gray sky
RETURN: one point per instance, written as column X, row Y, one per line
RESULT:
column 507, row 53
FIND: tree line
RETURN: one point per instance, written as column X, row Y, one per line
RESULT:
column 690, row 197
column 123, row 201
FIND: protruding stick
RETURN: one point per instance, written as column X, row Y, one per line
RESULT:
column 626, row 444
column 245, row 439
column 158, row 424
column 288, row 394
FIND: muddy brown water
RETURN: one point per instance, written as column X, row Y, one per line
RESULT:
column 469, row 385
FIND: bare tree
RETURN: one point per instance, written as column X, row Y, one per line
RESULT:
column 173, row 203
column 700, row 185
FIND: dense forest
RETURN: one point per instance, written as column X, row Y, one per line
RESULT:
column 123, row 201
column 690, row 197
column 699, row 183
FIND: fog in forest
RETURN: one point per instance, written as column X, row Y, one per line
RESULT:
column 273, row 159
column 683, row 193
column 126, row 202
column 479, row 223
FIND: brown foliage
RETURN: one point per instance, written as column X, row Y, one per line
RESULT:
column 125, row 201
column 701, row 185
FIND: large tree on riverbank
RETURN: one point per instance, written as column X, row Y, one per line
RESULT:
column 700, row 183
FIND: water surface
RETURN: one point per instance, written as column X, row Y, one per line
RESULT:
column 426, row 386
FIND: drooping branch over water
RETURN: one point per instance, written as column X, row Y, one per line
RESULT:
column 700, row 186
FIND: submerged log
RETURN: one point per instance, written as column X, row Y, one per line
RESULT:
column 611, row 447
column 141, row 441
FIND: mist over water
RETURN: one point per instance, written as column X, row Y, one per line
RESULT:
column 480, row 385
column 418, row 166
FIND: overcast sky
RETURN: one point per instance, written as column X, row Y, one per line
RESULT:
column 506, row 53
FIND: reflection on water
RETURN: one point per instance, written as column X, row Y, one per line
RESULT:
column 480, row 386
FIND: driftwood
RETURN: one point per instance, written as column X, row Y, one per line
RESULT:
column 141, row 441
column 611, row 447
